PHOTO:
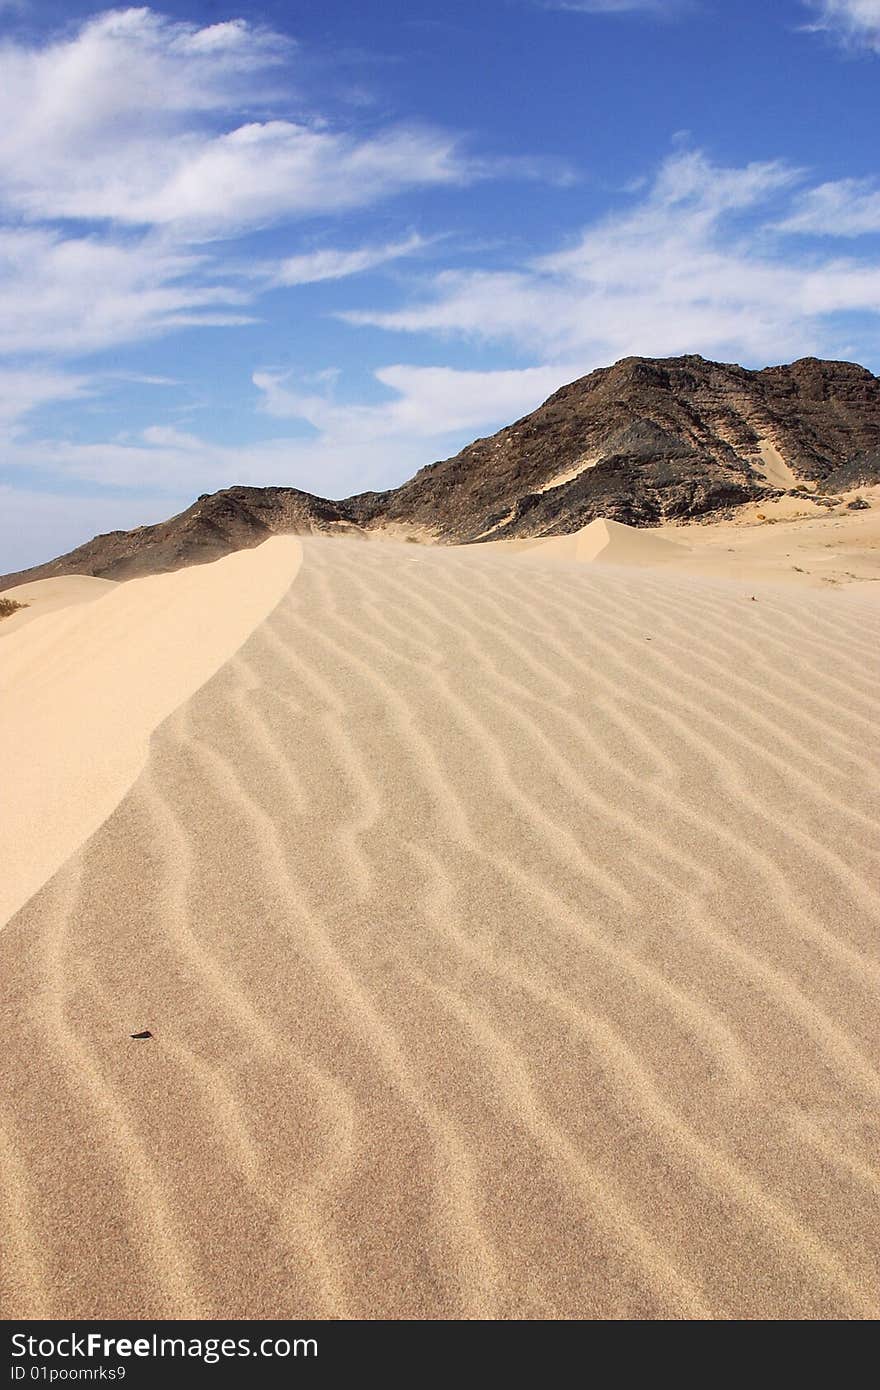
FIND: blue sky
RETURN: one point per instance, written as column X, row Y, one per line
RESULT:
column 326, row 244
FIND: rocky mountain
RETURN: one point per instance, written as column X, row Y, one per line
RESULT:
column 643, row 442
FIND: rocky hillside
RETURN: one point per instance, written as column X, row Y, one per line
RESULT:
column 642, row 442
column 648, row 441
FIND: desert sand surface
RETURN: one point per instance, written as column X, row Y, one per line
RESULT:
column 608, row 542
column 789, row 541
column 43, row 596
column 776, row 471
column 507, row 931
column 786, row 540
column 83, row 688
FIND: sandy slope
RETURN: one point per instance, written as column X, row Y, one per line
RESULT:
column 787, row 541
column 82, row 690
column 608, row 542
column 509, row 937
column 42, row 596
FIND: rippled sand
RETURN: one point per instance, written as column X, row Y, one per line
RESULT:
column 509, row 937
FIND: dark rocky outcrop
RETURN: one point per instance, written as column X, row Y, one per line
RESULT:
column 676, row 439
column 860, row 472
column 642, row 442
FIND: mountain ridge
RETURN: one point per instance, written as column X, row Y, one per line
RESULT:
column 643, row 442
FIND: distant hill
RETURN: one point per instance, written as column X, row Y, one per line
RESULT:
column 643, row 442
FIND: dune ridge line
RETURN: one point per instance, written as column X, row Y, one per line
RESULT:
column 83, row 687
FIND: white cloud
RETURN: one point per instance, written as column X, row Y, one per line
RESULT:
column 118, row 121
column 66, row 295
column 692, row 267
column 693, row 264
column 855, row 22
column 263, row 171
column 332, row 264
column 428, row 402
column 24, row 389
column 179, row 465
column 844, row 208
column 172, row 137
column 135, row 120
column 432, row 413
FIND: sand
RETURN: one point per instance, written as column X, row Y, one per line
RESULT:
column 43, row 596
column 83, row 688
column 507, row 930
column 609, row 542
column 774, row 469
column 788, row 541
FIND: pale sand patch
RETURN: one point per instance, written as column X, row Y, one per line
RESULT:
column 611, row 543
column 568, row 475
column 83, row 688
column 820, row 549
column 48, row 595
column 789, row 542
column 774, row 469
column 508, row 936
column 786, row 508
column 499, row 524
column 601, row 541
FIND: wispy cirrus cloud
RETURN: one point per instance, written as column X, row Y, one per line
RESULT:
column 425, row 402
column 25, row 389
column 662, row 8
column 68, row 295
column 348, row 446
column 133, row 146
column 163, row 139
column 697, row 264
column 855, row 23
column 840, row 208
column 132, row 120
column 157, row 175
column 311, row 267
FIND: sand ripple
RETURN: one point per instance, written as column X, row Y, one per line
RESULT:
column 509, row 937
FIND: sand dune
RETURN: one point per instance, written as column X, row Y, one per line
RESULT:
column 612, row 543
column 82, row 690
column 785, row 541
column 42, row 596
column 508, row 933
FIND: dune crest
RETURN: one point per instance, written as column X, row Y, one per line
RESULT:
column 42, row 596
column 84, row 686
column 611, row 543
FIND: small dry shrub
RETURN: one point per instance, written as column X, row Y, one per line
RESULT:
column 8, row 606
